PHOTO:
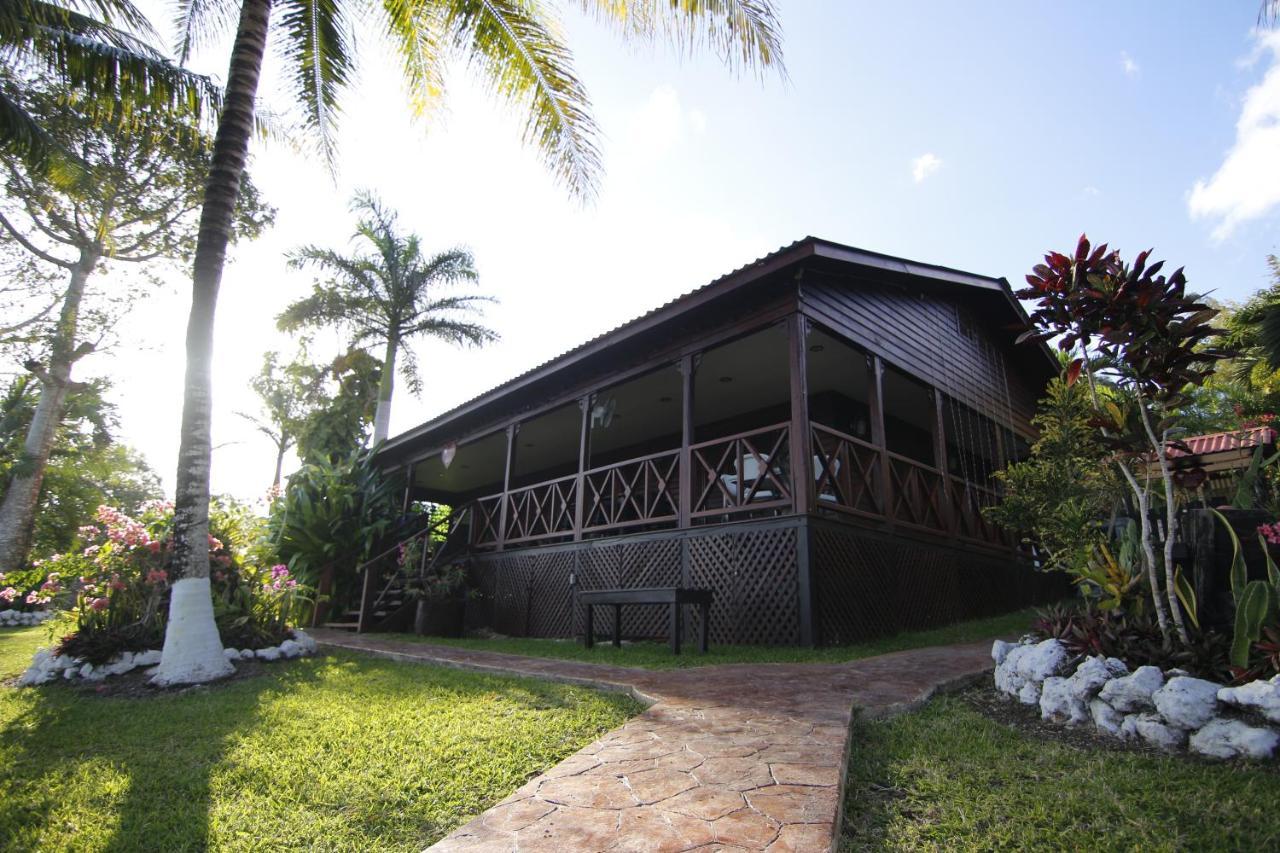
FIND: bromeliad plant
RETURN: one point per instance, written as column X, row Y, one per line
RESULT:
column 1257, row 604
column 1155, row 338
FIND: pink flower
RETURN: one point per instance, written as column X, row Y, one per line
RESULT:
column 157, row 576
column 117, row 584
column 8, row 593
column 1270, row 532
column 98, row 603
column 88, row 531
column 154, row 546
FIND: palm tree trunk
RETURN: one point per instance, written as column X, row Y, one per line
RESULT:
column 18, row 509
column 386, row 384
column 192, row 648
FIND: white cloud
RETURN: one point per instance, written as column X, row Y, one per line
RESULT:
column 1247, row 184
column 1128, row 65
column 924, row 166
column 1091, row 192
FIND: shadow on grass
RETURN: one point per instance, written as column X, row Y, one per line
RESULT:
column 341, row 751
column 120, row 774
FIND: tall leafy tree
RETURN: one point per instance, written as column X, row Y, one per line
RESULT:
column 137, row 208
column 102, row 49
column 324, row 410
column 387, row 297
column 515, row 47
column 87, row 466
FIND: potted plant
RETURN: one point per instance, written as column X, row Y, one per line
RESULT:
column 441, row 600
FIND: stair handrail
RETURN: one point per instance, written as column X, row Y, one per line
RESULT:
column 452, row 521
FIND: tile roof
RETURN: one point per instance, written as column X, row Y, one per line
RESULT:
column 1217, row 442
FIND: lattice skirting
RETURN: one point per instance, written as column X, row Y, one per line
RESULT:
column 862, row 584
column 867, row 584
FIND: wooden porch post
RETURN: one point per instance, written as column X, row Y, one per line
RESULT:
column 801, row 449
column 940, row 453
column 685, row 486
column 878, row 437
column 584, row 454
column 408, row 489
column 512, row 431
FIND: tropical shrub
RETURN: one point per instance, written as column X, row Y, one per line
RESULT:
column 115, row 584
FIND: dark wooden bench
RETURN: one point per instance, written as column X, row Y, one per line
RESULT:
column 672, row 596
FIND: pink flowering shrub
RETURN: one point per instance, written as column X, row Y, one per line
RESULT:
column 1270, row 532
column 115, row 584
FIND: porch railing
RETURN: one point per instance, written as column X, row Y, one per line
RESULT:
column 846, row 473
column 642, row 491
column 544, row 510
column 733, row 477
column 745, row 472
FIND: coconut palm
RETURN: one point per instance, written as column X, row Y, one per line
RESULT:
column 99, row 49
column 389, row 297
column 516, row 48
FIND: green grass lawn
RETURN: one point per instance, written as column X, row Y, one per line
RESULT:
column 345, row 752
column 947, row 777
column 650, row 655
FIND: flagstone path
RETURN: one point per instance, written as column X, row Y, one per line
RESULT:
column 736, row 757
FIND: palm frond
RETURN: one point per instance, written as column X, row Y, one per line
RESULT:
column 1269, row 335
column 451, row 267
column 744, row 34
column 317, row 44
column 514, row 44
column 417, row 29
column 201, row 22
column 457, row 332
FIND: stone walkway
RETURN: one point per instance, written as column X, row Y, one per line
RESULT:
column 739, row 757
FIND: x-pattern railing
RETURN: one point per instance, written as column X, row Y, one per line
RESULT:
column 747, row 471
column 638, row 491
column 917, row 497
column 968, row 500
column 846, row 472
column 542, row 510
column 486, row 519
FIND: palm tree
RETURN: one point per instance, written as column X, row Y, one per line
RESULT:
column 99, row 49
column 514, row 45
column 387, row 298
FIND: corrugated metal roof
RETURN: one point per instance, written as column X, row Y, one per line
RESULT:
column 816, row 245
column 1200, row 445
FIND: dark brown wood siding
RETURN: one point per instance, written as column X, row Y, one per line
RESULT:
column 935, row 338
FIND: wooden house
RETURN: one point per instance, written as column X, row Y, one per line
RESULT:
column 812, row 437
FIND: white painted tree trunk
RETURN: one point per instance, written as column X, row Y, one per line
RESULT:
column 192, row 648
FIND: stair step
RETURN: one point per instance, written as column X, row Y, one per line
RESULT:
column 350, row 625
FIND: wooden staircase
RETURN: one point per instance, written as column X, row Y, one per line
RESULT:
column 385, row 602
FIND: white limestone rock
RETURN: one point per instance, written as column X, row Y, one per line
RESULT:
column 1029, row 694
column 247, row 654
column 1133, row 692
column 269, row 653
column 41, row 671
column 231, row 654
column 1261, row 697
column 1186, row 702
column 151, row 657
column 1151, row 728
column 1223, row 738
column 1038, row 662
column 305, row 640
column 290, row 649
column 1057, row 702
column 120, row 665
column 86, row 670
column 1092, row 674
column 1105, row 718
column 999, row 650
column 1008, row 681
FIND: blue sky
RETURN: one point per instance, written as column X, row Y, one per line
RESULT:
column 974, row 135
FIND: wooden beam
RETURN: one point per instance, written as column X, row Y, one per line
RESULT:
column 584, row 458
column 512, row 431
column 878, row 437
column 940, row 456
column 801, row 449
column 688, row 364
